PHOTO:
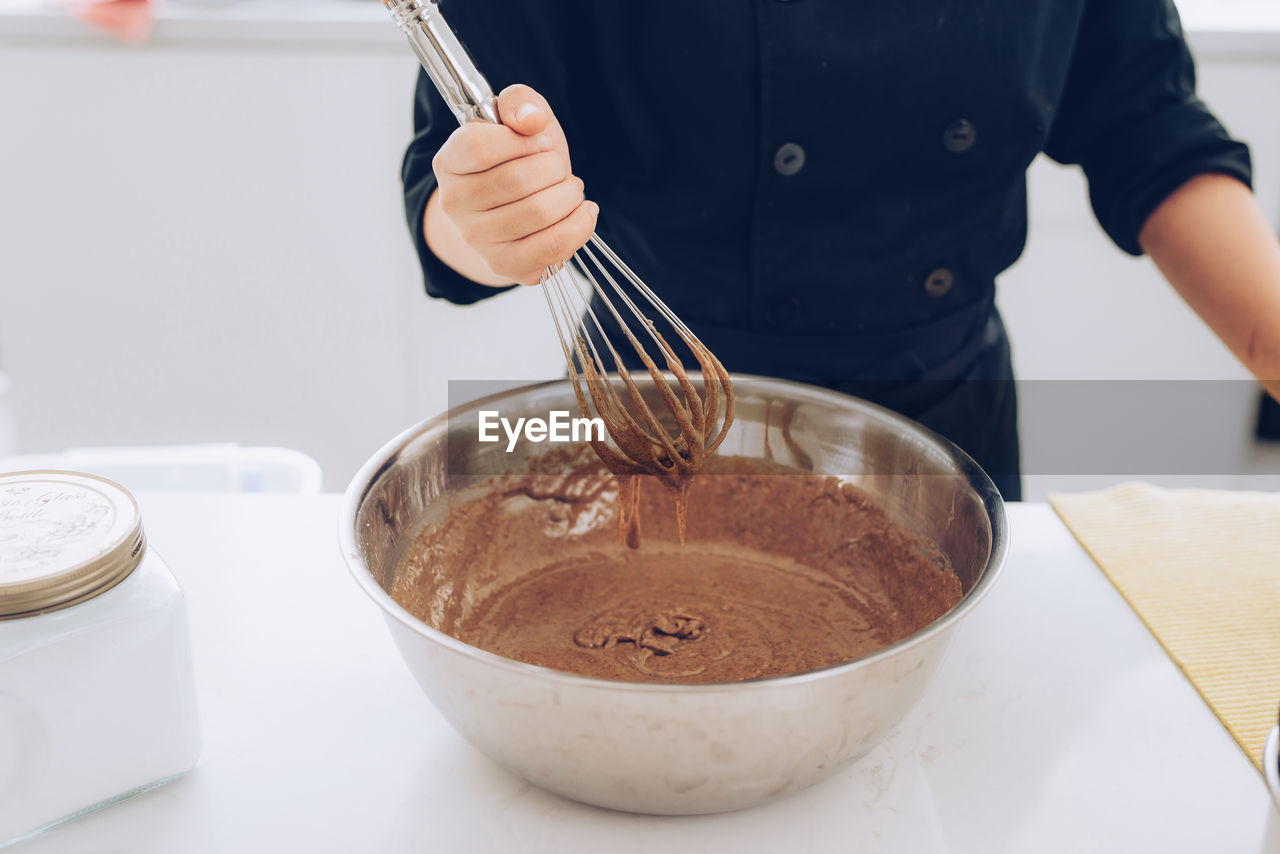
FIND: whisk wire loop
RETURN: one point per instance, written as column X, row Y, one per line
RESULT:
column 596, row 276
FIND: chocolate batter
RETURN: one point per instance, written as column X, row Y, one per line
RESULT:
column 652, row 447
column 781, row 573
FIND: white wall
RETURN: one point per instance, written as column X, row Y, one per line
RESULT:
column 201, row 240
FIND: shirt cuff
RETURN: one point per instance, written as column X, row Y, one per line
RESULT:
column 438, row 278
column 1152, row 160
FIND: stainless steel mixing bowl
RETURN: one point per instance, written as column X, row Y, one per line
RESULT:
column 1271, row 764
column 678, row 749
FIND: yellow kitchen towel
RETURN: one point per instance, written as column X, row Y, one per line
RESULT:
column 1202, row 569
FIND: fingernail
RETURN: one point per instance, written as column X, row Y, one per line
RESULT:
column 524, row 111
column 595, row 209
column 544, row 142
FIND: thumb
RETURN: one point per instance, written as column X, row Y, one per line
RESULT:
column 523, row 110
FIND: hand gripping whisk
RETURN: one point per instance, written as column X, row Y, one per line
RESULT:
column 644, row 442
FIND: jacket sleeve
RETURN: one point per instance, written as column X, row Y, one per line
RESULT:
column 433, row 121
column 1129, row 116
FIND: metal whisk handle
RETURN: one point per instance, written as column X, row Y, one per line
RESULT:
column 445, row 59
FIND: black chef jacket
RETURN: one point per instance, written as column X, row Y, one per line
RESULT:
column 826, row 190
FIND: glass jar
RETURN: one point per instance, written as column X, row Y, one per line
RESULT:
column 97, row 700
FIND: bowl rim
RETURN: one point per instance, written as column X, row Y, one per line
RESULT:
column 1271, row 764
column 363, row 480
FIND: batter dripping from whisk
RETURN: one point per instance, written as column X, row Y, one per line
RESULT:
column 654, row 452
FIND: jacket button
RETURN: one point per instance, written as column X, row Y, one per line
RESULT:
column 789, row 159
column 937, row 283
column 959, row 136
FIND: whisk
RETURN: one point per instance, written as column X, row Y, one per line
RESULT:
column 643, row 443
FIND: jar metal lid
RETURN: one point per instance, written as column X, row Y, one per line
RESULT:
column 65, row 537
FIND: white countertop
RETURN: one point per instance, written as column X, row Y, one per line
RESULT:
column 1057, row 724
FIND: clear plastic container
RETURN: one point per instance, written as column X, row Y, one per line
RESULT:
column 97, row 700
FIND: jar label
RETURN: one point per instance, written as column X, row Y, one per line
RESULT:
column 50, row 524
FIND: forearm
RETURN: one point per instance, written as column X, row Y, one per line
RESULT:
column 1214, row 245
column 446, row 242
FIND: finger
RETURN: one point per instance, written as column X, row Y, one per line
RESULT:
column 511, row 181
column 552, row 245
column 478, row 147
column 524, row 110
column 529, row 215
